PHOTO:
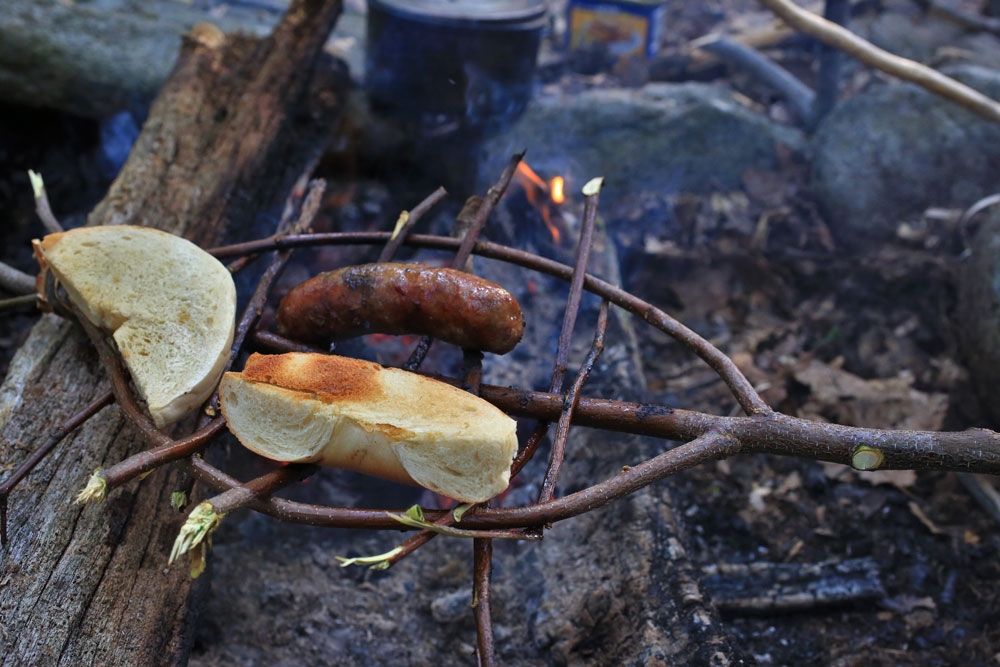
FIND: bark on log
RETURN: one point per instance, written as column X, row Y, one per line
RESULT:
column 89, row 585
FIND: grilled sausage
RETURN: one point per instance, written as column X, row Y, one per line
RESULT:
column 397, row 298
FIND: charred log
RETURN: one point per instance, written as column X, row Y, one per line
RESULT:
column 88, row 586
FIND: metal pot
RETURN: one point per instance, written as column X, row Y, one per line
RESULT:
column 453, row 64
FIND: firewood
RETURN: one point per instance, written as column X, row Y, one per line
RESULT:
column 87, row 586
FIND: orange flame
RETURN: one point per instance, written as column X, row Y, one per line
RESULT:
column 528, row 173
column 533, row 184
column 556, row 187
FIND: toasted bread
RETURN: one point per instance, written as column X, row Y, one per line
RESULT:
column 168, row 304
column 358, row 415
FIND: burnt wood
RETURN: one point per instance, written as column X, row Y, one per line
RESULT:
column 89, row 585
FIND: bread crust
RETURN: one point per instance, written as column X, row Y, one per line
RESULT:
column 358, row 415
column 329, row 378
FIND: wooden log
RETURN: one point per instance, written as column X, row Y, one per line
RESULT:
column 89, row 585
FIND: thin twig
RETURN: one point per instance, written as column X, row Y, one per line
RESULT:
column 16, row 281
column 269, row 340
column 150, row 459
column 482, row 549
column 413, row 543
column 502, row 522
column 18, row 303
column 840, row 38
column 253, row 310
column 194, row 535
column 489, row 202
column 55, row 437
column 467, row 244
column 42, row 208
column 583, row 248
column 412, row 218
column 569, row 405
column 261, row 487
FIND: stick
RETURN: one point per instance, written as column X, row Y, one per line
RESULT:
column 840, row 38
column 568, row 324
column 569, row 405
column 16, row 281
column 768, row 588
column 500, row 522
column 412, row 218
column 482, row 550
column 796, row 93
column 467, row 243
column 205, row 517
column 18, row 303
column 828, row 80
column 42, row 207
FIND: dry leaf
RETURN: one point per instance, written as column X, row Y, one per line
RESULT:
column 883, row 403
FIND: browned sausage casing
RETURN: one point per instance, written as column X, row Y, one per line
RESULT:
column 397, row 298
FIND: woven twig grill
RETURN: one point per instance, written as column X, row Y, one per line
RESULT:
column 706, row 437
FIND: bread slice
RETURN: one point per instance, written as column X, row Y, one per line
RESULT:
column 358, row 415
column 170, row 306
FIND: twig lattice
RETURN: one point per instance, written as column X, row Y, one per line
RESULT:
column 706, row 437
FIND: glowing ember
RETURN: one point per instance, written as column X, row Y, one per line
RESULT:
column 556, row 188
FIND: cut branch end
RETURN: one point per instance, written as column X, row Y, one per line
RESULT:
column 95, row 490
column 202, row 521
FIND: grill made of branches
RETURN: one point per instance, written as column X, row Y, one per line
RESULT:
column 705, row 437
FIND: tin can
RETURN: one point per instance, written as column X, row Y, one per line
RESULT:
column 626, row 28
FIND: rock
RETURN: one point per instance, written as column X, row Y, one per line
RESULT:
column 56, row 54
column 908, row 32
column 663, row 137
column 453, row 606
column 896, row 150
column 978, row 313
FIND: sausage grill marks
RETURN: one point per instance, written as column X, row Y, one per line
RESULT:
column 394, row 298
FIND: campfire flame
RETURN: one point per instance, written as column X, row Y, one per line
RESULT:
column 543, row 196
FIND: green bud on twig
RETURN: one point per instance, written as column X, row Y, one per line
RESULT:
column 95, row 490
column 378, row 562
column 202, row 521
column 404, row 217
column 37, row 184
column 460, row 511
column 178, row 500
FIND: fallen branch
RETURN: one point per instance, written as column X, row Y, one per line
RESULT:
column 838, row 37
column 800, row 98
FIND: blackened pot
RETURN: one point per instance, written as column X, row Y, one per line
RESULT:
column 454, row 64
